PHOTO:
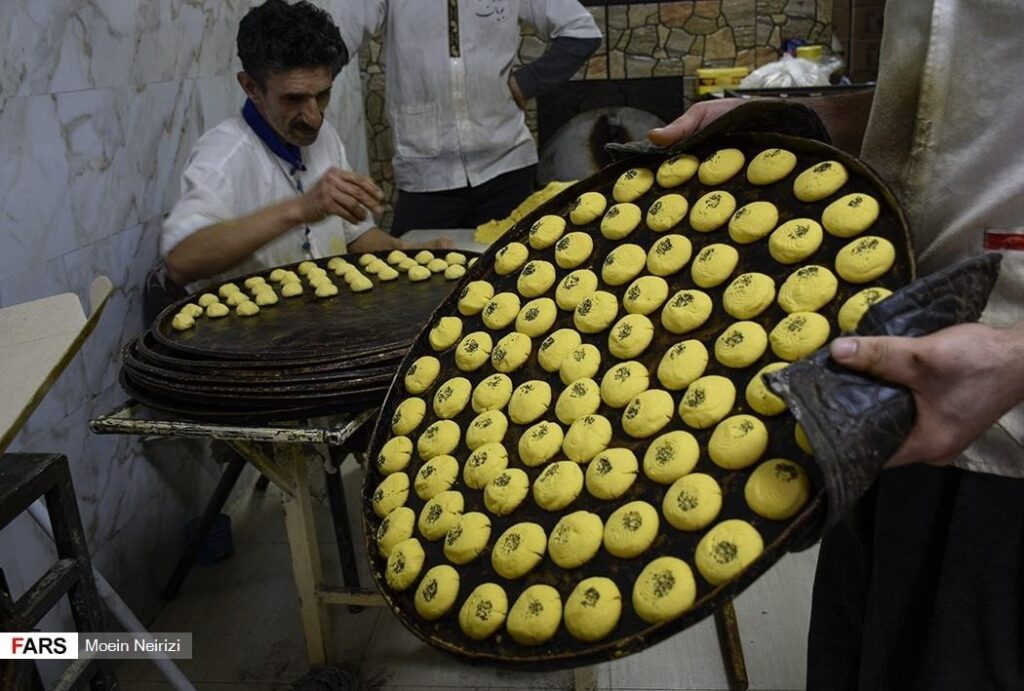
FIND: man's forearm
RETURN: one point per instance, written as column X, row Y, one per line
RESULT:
column 216, row 248
column 375, row 240
column 559, row 62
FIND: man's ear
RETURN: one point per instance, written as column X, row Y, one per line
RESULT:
column 249, row 86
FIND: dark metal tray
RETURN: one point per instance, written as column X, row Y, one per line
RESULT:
column 633, row 634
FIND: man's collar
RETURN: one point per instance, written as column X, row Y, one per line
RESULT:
column 289, row 153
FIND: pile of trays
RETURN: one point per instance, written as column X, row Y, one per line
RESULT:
column 301, row 357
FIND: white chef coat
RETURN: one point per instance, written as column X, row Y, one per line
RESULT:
column 231, row 172
column 945, row 132
column 455, row 121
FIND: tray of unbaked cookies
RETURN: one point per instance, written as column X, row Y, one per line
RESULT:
column 579, row 456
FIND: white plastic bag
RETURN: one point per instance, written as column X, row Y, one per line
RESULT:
column 790, row 72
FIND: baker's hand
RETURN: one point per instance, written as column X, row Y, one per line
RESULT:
column 340, row 193
column 517, row 93
column 699, row 116
column 963, row 379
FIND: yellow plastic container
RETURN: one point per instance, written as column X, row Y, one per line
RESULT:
column 712, row 79
column 814, row 53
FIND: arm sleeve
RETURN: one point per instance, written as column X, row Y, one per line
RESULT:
column 358, row 20
column 559, row 62
column 206, row 198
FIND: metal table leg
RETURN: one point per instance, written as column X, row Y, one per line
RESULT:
column 342, row 528
column 732, row 647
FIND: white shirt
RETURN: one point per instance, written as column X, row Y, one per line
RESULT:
column 945, row 132
column 231, row 172
column 455, row 121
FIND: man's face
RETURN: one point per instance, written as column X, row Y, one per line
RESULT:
column 292, row 102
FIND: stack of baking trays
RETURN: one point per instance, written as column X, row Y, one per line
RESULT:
column 309, row 339
column 579, row 456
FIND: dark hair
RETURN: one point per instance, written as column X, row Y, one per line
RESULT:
column 277, row 37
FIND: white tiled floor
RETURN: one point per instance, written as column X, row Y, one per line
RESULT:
column 247, row 635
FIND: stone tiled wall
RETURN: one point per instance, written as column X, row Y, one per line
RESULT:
column 645, row 39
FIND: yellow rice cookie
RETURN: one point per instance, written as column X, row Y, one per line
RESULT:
column 467, row 538
column 587, row 437
column 404, row 564
column 671, row 456
column 536, row 317
column 664, row 590
column 752, row 222
column 396, row 527
column 518, row 550
column 611, row 473
column 576, row 286
column 558, row 485
column 741, row 344
column 573, row 249
column 777, row 489
column 769, row 166
column 488, row 427
column 394, row 455
column 545, row 231
column 667, row 212
column 582, row 362
column 451, row 397
column 620, row 220
column 795, row 240
column 486, row 461
column 630, row 336
column 631, row 529
column 473, row 351
column 865, row 259
column 682, row 364
column 850, row 215
column 510, row 257
column 799, row 335
column 474, row 297
column 539, row 443
column 819, row 181
column 492, row 393
column 632, row 184
column 854, row 309
column 529, row 401
column 535, row 615
column 536, row 278
column 587, row 208
column 556, row 347
column 435, row 476
column 677, row 170
column 506, row 491
column 437, row 592
column 645, row 295
column 669, row 254
column 721, row 166
column 408, row 415
column 182, row 322
column 647, row 413
column 686, row 310
column 692, row 502
column 511, row 352
column 738, row 442
column 711, row 211
column 390, row 493
column 596, row 312
column 714, row 264
column 622, row 382
column 593, row 609
column 500, row 311
column 484, row 611
column 439, row 514
column 582, row 397
column 438, row 439
column 726, row 550
column 623, row 264
column 808, row 289
column 759, row 397
column 706, row 401
column 748, row 295
column 575, row 539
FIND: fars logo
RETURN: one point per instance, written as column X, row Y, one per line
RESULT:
column 32, row 645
